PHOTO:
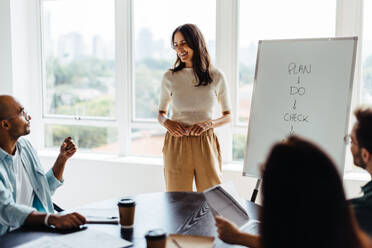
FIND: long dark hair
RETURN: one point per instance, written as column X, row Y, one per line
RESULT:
column 201, row 59
column 304, row 204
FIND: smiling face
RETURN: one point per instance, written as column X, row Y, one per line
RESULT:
column 184, row 52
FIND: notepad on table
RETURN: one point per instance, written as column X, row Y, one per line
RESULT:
column 189, row 241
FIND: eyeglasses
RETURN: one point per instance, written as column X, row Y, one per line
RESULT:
column 182, row 44
column 349, row 141
column 23, row 113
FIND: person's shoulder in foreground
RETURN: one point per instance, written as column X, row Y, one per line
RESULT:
column 315, row 214
column 361, row 149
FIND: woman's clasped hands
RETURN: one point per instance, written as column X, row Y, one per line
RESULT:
column 178, row 129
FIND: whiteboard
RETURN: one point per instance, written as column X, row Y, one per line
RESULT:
column 303, row 87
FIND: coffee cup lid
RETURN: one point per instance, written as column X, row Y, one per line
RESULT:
column 126, row 202
column 156, row 234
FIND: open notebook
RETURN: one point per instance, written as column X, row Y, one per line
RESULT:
column 224, row 200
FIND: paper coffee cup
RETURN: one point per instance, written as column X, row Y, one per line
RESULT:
column 156, row 238
column 126, row 211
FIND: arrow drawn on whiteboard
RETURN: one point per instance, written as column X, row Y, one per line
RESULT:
column 294, row 105
column 298, row 79
column 292, row 131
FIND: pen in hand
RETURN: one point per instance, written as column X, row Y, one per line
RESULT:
column 102, row 220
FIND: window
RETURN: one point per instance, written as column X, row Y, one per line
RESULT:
column 81, row 96
column 147, row 141
column 153, row 52
column 85, row 87
column 79, row 72
column 366, row 79
column 101, row 139
column 267, row 19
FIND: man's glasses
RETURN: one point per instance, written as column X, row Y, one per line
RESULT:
column 349, row 141
column 22, row 113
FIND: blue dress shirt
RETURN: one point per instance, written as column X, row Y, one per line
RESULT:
column 13, row 215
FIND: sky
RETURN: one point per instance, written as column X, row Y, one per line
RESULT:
column 66, row 16
column 263, row 19
column 259, row 19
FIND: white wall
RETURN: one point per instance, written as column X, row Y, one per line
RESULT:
column 89, row 180
column 19, row 68
column 92, row 180
column 17, row 37
column 5, row 49
column 23, row 39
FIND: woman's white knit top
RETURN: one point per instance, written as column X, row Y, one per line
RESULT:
column 191, row 104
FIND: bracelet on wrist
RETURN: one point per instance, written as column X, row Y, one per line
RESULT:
column 163, row 119
column 46, row 219
column 210, row 124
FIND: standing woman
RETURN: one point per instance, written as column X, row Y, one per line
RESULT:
column 194, row 87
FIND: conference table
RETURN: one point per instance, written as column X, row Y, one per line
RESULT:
column 175, row 212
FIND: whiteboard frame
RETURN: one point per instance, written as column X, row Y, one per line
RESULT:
column 355, row 38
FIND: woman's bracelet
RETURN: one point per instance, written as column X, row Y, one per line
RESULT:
column 46, row 219
column 210, row 124
column 163, row 119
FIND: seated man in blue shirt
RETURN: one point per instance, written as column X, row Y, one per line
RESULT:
column 25, row 190
column 361, row 148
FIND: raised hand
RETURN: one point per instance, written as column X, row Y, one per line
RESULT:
column 68, row 148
